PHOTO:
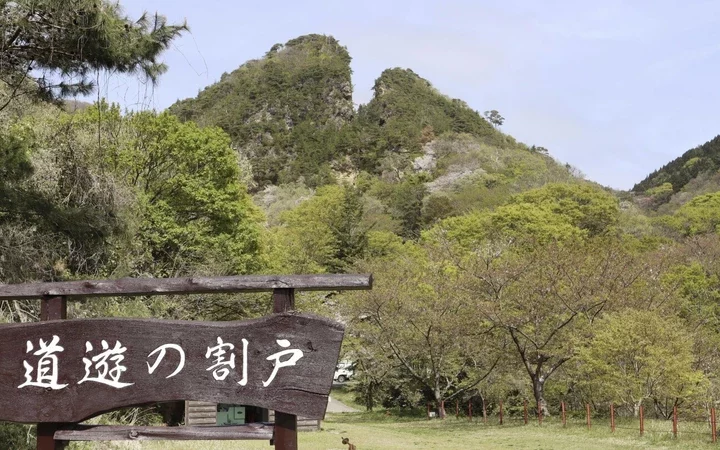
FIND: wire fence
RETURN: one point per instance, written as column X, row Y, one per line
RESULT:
column 681, row 422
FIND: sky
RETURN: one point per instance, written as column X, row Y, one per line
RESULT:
column 615, row 88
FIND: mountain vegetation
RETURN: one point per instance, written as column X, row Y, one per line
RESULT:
column 500, row 272
column 694, row 173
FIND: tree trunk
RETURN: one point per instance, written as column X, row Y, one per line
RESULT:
column 539, row 392
column 369, row 402
column 439, row 401
column 636, row 408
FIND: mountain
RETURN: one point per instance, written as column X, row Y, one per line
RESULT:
column 677, row 182
column 422, row 155
column 269, row 106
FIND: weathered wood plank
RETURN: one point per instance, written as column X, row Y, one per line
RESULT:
column 195, row 285
column 256, row 431
column 301, row 388
column 203, row 409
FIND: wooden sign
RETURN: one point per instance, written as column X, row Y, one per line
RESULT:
column 71, row 370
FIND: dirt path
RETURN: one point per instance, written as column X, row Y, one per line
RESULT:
column 335, row 406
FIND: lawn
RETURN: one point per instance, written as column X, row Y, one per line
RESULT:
column 379, row 430
column 375, row 431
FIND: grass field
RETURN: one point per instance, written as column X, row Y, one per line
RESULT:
column 378, row 432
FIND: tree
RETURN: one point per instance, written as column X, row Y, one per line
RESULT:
column 327, row 229
column 51, row 48
column 195, row 208
column 547, row 299
column 636, row 355
column 416, row 315
column 543, row 284
column 700, row 215
column 494, row 118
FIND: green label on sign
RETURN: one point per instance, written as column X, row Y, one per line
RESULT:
column 230, row 414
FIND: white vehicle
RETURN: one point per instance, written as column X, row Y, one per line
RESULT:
column 343, row 371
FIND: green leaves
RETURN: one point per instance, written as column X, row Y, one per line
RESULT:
column 699, row 216
column 70, row 41
column 195, row 205
column 327, row 228
column 636, row 355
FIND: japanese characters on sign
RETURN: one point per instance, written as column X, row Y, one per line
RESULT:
column 106, row 366
column 70, row 370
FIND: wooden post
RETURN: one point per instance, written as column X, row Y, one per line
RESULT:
column 442, row 409
column 525, row 412
column 484, row 412
column 612, row 417
column 713, row 431
column 428, row 411
column 562, row 408
column 675, row 421
column 501, row 411
column 587, row 414
column 540, row 415
column 457, row 409
column 285, row 424
column 642, row 421
column 51, row 308
column 470, row 410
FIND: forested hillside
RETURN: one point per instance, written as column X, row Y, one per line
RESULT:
column 694, row 173
column 499, row 273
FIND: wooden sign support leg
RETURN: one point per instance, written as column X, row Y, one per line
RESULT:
column 51, row 308
column 285, row 424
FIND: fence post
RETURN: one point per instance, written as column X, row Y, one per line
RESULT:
column 587, row 414
column 525, row 412
column 470, row 410
column 612, row 417
column 428, row 411
column 562, row 408
column 484, row 412
column 501, row 411
column 540, row 415
column 713, row 432
column 457, row 409
column 675, row 421
column 285, row 424
column 442, row 409
column 642, row 421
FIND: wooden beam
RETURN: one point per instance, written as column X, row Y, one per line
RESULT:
column 193, row 285
column 253, row 431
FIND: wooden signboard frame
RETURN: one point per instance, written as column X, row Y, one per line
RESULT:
column 282, row 433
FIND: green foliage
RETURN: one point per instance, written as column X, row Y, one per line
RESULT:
column 195, row 207
column 679, row 172
column 70, row 41
column 660, row 194
column 556, row 212
column 325, row 232
column 636, row 355
column 16, row 436
column 405, row 203
column 700, row 215
column 416, row 330
column 581, row 205
column 403, row 109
